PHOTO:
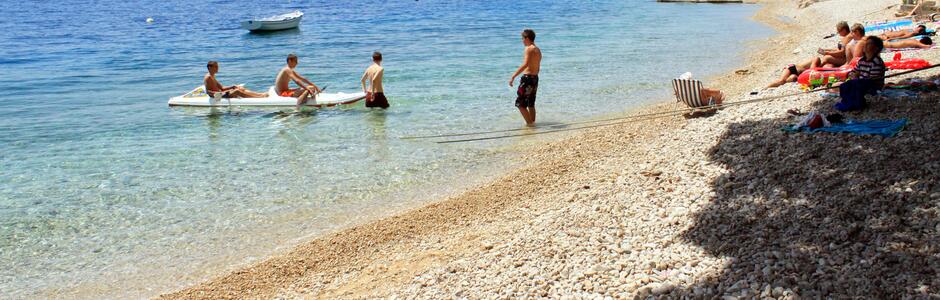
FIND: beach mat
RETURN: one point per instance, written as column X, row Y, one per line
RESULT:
column 885, row 128
column 891, row 25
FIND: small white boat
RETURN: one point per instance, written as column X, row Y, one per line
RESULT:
column 198, row 98
column 279, row 22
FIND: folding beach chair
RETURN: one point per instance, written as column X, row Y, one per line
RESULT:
column 689, row 91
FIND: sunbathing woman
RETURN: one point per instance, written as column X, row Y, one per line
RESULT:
column 903, row 34
column 923, row 43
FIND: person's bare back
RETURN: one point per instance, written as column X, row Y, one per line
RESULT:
column 373, row 76
column 533, row 56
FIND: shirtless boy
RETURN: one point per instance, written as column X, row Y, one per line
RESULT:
column 213, row 86
column 286, row 75
column 375, row 95
column 835, row 57
column 529, row 83
column 854, row 47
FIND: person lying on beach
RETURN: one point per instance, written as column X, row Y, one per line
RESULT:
column 922, row 43
column 529, row 83
column 213, row 86
column 375, row 95
column 286, row 75
column 835, row 57
column 903, row 34
column 866, row 79
column 790, row 74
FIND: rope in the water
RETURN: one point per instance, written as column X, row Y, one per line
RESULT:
column 629, row 119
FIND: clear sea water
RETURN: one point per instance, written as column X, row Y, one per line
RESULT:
column 105, row 192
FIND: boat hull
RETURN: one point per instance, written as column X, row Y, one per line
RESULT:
column 273, row 25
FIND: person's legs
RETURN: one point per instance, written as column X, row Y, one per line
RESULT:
column 245, row 93
column 832, row 61
column 526, row 116
column 783, row 79
column 237, row 93
column 713, row 94
column 816, row 62
column 301, row 95
column 853, row 94
column 525, row 97
column 793, row 78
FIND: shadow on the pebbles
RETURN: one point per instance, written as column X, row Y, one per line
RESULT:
column 700, row 114
column 825, row 215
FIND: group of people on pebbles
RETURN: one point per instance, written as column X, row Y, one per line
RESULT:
column 860, row 55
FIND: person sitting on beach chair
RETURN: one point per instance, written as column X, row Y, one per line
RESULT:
column 922, row 43
column 866, row 79
column 835, row 57
column 904, row 34
column 691, row 92
column 213, row 86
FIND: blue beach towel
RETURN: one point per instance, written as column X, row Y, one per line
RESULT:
column 893, row 25
column 885, row 128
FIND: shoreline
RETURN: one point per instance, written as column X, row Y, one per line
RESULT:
column 607, row 211
column 331, row 239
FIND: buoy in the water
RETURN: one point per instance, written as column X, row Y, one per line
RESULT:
column 149, row 20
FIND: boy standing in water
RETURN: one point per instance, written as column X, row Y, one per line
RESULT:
column 375, row 95
column 529, row 83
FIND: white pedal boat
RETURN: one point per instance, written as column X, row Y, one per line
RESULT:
column 198, row 98
column 279, row 22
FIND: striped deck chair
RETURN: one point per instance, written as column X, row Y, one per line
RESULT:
column 689, row 91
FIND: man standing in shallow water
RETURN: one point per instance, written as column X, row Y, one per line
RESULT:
column 529, row 83
column 375, row 95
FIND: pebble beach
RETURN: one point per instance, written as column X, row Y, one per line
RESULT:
column 725, row 205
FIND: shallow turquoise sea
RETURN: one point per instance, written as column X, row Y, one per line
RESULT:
column 105, row 192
